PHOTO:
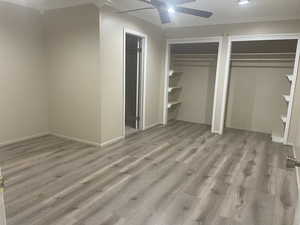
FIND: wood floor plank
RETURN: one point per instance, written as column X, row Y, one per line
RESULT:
column 180, row 174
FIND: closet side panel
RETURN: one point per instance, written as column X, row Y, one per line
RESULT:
column 197, row 94
column 255, row 100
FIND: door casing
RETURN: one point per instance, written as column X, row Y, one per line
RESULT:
column 143, row 77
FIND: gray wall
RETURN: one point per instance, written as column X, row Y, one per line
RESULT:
column 23, row 86
column 255, row 99
column 72, row 40
column 197, row 93
column 52, row 72
column 111, row 39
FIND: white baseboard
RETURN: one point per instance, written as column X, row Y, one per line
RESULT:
column 297, row 214
column 112, row 141
column 76, row 139
column 152, row 125
column 23, row 139
column 216, row 132
column 277, row 139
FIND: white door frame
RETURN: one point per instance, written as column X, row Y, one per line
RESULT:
column 143, row 77
column 227, row 69
column 215, row 39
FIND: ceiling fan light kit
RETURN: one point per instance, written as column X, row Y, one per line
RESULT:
column 244, row 2
column 165, row 8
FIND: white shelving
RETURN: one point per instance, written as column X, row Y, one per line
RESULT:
column 284, row 119
column 174, row 73
column 173, row 103
column 173, row 88
column 290, row 77
column 173, row 94
column 287, row 98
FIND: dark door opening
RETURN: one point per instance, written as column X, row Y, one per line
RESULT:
column 132, row 83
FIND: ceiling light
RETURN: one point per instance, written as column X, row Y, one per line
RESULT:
column 171, row 10
column 244, row 2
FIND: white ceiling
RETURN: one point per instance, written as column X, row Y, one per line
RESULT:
column 225, row 11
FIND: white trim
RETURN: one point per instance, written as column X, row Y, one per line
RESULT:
column 214, row 39
column 297, row 211
column 76, row 139
column 265, row 37
column 166, row 84
column 143, row 77
column 152, row 125
column 218, row 75
column 292, row 94
column 277, row 139
column 225, row 87
column 262, row 37
column 112, row 141
column 23, row 139
column 194, row 40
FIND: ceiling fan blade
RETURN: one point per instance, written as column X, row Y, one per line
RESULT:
column 145, row 1
column 194, row 12
column 178, row 2
column 135, row 10
column 164, row 16
column 158, row 3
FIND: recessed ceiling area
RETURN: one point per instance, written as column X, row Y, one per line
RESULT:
column 225, row 11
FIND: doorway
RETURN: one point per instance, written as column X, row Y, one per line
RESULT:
column 191, row 74
column 133, row 83
column 266, row 54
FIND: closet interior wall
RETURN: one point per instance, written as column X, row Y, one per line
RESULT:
column 259, row 88
column 192, row 82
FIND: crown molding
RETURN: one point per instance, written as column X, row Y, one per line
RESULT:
column 45, row 5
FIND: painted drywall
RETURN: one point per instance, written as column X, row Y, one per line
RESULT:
column 197, row 93
column 111, row 50
column 72, row 45
column 255, row 99
column 23, row 86
column 278, row 27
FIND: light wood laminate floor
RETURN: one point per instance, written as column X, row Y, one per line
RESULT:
column 175, row 175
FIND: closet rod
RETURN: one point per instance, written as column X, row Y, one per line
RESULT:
column 193, row 60
column 264, row 59
column 239, row 54
column 267, row 53
column 237, row 66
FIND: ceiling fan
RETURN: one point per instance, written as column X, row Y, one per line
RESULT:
column 164, row 9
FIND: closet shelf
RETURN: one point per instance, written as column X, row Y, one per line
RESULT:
column 173, row 103
column 290, row 77
column 173, row 73
column 173, row 88
column 287, row 98
column 284, row 119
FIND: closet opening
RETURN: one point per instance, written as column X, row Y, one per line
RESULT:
column 191, row 79
column 262, row 76
column 133, row 94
